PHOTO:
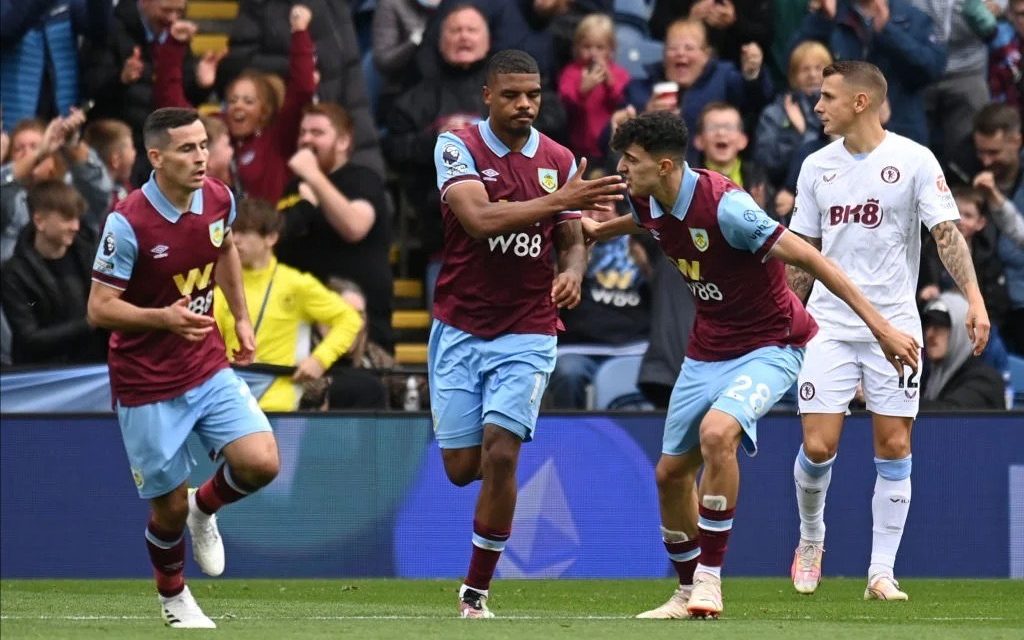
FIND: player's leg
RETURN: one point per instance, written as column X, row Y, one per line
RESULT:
column 752, row 385
column 828, row 381
column 456, row 401
column 893, row 404
column 154, row 439
column 232, row 428
column 676, row 475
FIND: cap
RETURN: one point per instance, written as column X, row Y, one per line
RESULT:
column 936, row 314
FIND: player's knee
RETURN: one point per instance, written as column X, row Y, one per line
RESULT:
column 258, row 472
column 893, row 445
column 462, row 475
column 818, row 450
column 501, row 459
column 670, row 474
column 718, row 439
column 171, row 515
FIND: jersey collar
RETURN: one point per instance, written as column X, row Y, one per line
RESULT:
column 498, row 147
column 164, row 206
column 687, row 186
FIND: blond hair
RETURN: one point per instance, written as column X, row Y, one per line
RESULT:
column 810, row 51
column 596, row 25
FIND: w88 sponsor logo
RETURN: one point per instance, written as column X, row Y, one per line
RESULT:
column 518, row 244
column 705, row 291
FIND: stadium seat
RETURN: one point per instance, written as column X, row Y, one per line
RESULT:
column 1017, row 379
column 614, row 385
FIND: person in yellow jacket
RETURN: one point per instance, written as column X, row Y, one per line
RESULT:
column 284, row 304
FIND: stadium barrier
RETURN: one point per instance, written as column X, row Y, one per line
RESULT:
column 365, row 495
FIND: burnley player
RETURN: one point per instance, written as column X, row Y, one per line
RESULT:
column 862, row 200
column 163, row 250
column 745, row 349
column 510, row 204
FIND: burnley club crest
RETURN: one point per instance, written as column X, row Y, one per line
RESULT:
column 217, row 233
column 548, row 179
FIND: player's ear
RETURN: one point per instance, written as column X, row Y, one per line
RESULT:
column 487, row 95
column 154, row 157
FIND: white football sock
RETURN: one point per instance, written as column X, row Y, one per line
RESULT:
column 812, row 480
column 889, row 508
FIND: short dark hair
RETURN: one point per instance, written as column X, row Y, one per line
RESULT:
column 656, row 132
column 717, row 105
column 257, row 216
column 155, row 131
column 996, row 117
column 971, row 194
column 56, row 196
column 511, row 61
column 860, row 73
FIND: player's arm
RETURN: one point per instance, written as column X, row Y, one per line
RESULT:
column 899, row 348
column 799, row 280
column 572, row 263
column 956, row 257
column 106, row 309
column 228, row 274
column 595, row 231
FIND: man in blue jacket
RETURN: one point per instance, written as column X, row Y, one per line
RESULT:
column 894, row 36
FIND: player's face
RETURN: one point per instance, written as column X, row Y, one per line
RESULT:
column 317, row 134
column 721, row 138
column 182, row 161
column 55, row 229
column 514, row 101
column 835, row 106
column 936, row 342
column 640, row 170
column 464, row 38
column 686, row 55
column 245, row 108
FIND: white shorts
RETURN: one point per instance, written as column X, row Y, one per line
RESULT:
column 833, row 368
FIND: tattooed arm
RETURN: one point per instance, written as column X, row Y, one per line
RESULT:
column 957, row 259
column 799, row 280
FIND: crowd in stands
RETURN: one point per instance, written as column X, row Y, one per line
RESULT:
column 322, row 117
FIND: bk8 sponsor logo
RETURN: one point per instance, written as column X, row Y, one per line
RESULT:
column 868, row 214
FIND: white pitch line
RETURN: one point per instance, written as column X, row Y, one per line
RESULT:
column 441, row 618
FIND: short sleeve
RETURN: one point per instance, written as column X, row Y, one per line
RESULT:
column 935, row 202
column 745, row 226
column 116, row 254
column 806, row 218
column 574, row 214
column 453, row 162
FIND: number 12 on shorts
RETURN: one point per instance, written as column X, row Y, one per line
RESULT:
column 908, row 382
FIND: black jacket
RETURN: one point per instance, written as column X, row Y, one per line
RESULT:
column 261, row 37
column 975, row 385
column 48, row 320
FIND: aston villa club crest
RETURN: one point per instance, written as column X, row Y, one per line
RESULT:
column 700, row 239
column 217, row 233
column 548, row 179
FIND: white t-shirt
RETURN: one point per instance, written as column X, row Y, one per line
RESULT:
column 868, row 211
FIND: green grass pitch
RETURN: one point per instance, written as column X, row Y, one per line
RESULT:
column 545, row 609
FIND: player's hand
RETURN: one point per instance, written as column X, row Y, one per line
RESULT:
column 565, row 291
column 304, row 164
column 246, row 351
column 599, row 194
column 300, row 17
column 591, row 230
column 186, row 323
column 183, row 30
column 206, row 68
column 978, row 325
column 309, row 369
column 900, row 349
column 132, row 69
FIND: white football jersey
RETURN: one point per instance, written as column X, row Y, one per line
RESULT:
column 868, row 211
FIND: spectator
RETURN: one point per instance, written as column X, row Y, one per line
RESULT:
column 259, row 40
column 612, row 319
column 1006, row 57
column 398, row 27
column 50, row 152
column 263, row 127
column 954, row 378
column 338, row 221
column 962, row 27
column 112, row 141
column 790, row 120
column 700, row 78
column 451, row 99
column 118, row 70
column 222, row 154
column 39, row 53
column 592, row 86
column 284, row 304
column 997, row 143
column 731, row 24
column 894, row 36
column 720, row 140
column 46, row 282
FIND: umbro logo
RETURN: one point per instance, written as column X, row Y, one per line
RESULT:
column 490, row 174
column 829, row 178
column 159, row 251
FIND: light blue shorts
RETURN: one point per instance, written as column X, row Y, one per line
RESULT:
column 745, row 388
column 220, row 411
column 474, row 382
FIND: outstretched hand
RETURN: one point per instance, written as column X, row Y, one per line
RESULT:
column 186, row 323
column 599, row 194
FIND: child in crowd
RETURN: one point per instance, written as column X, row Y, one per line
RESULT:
column 720, row 139
column 218, row 143
column 592, row 86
